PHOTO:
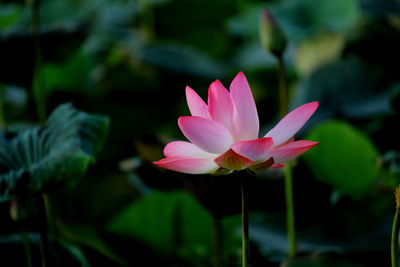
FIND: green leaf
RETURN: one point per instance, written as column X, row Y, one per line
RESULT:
column 71, row 75
column 52, row 156
column 345, row 158
column 171, row 223
column 142, row 218
column 9, row 14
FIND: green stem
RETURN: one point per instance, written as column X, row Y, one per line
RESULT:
column 290, row 221
column 38, row 81
column 290, row 218
column 395, row 240
column 245, row 223
column 283, row 89
column 218, row 241
column 27, row 247
column 44, row 237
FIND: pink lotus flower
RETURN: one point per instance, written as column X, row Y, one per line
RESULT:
column 223, row 135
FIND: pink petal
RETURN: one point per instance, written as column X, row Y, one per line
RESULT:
column 292, row 150
column 220, row 104
column 256, row 149
column 292, row 123
column 196, row 105
column 232, row 161
column 182, row 148
column 245, row 117
column 187, row 164
column 210, row 136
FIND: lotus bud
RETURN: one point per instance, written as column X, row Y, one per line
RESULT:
column 17, row 211
column 397, row 193
column 272, row 37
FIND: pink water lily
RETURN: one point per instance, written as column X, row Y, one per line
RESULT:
column 223, row 134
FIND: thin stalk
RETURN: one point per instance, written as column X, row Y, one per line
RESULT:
column 245, row 222
column 283, row 89
column 38, row 81
column 290, row 217
column 218, row 241
column 27, row 247
column 290, row 221
column 395, row 239
column 44, row 229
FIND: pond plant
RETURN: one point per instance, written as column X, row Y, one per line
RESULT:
column 224, row 137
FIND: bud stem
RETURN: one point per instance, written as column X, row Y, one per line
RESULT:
column 395, row 239
column 290, row 217
column 283, row 95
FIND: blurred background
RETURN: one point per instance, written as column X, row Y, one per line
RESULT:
column 131, row 60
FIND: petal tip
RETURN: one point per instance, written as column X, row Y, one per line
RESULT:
column 216, row 82
column 307, row 143
column 240, row 76
column 215, row 85
column 314, row 105
column 188, row 89
column 313, row 144
column 159, row 163
column 182, row 120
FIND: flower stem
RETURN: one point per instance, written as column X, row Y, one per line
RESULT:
column 395, row 240
column 290, row 218
column 283, row 94
column 245, row 222
column 291, row 230
column 38, row 81
column 27, row 247
column 218, row 241
column 44, row 238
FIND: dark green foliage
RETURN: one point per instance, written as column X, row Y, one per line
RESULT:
column 131, row 60
column 51, row 156
column 346, row 158
column 163, row 221
column 348, row 79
